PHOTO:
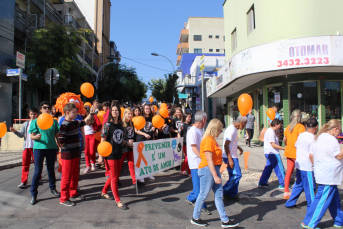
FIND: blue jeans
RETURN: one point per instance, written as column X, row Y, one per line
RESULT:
column 235, row 175
column 38, row 155
column 206, row 184
column 196, row 187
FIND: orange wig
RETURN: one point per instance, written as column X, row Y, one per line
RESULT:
column 69, row 97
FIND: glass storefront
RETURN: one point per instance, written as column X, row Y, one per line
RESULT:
column 275, row 98
column 304, row 96
column 332, row 100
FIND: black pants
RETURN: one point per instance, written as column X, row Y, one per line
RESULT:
column 251, row 135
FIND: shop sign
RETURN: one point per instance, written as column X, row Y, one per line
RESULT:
column 280, row 55
column 219, row 81
column 207, row 75
column 277, row 98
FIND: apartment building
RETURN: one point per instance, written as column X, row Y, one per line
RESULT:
column 284, row 54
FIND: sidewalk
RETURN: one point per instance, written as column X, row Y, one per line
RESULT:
column 9, row 159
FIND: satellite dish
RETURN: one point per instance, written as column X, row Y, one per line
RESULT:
column 55, row 76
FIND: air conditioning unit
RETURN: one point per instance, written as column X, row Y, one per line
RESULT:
column 33, row 21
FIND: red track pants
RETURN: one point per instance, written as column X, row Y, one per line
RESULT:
column 130, row 162
column 26, row 161
column 290, row 168
column 113, row 166
column 90, row 150
column 70, row 178
column 185, row 163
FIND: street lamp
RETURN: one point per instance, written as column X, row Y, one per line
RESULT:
column 155, row 54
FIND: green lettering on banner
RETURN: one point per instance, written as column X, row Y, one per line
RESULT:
column 168, row 144
column 153, row 156
column 147, row 169
column 161, row 155
column 142, row 173
column 165, row 164
column 155, row 167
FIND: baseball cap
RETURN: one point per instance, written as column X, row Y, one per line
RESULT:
column 311, row 122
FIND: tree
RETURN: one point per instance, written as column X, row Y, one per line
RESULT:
column 121, row 83
column 56, row 46
column 164, row 89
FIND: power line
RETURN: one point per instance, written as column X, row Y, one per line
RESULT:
column 146, row 64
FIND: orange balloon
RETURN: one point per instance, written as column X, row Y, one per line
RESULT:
column 105, row 149
column 164, row 112
column 87, row 90
column 163, row 105
column 244, row 104
column 134, row 118
column 122, row 109
column 139, row 122
column 151, row 99
column 101, row 113
column 3, row 129
column 157, row 121
column 87, row 104
column 45, row 121
column 155, row 108
column 271, row 113
column 101, row 118
column 97, row 136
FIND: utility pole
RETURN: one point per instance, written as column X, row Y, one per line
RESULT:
column 202, row 67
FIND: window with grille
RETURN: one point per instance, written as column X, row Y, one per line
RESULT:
column 197, row 50
column 217, row 50
column 217, row 36
column 251, row 19
column 210, row 36
column 234, row 40
column 197, row 37
column 211, row 50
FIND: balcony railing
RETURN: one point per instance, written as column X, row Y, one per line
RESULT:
column 80, row 52
column 52, row 13
column 20, row 19
column 89, row 41
column 69, row 19
column 95, row 68
column 88, row 60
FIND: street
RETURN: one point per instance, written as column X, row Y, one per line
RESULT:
column 160, row 204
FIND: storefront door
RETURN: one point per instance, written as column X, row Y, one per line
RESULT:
column 332, row 100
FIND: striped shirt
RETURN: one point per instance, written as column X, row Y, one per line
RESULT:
column 69, row 136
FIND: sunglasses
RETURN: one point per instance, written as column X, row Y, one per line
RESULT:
column 45, row 108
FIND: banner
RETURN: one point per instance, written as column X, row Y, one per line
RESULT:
column 155, row 156
column 207, row 75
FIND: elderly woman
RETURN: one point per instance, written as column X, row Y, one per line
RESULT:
column 328, row 169
column 291, row 136
column 210, row 177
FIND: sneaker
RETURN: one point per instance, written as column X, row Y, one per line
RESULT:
column 78, row 197
column 151, row 177
column 337, row 226
column 190, row 202
column 22, row 186
column 229, row 224
column 305, row 226
column 93, row 167
column 68, row 203
column 205, row 211
column 87, row 170
column 281, row 187
column 198, row 222
column 262, row 185
column 141, row 180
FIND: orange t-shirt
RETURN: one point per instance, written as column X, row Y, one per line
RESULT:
column 210, row 144
column 290, row 150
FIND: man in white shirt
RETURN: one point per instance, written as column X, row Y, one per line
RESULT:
column 230, row 157
column 304, row 165
column 194, row 137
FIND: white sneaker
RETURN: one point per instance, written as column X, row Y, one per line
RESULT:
column 151, row 178
column 93, row 167
column 141, row 180
column 87, row 170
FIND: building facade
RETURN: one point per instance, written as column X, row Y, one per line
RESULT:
column 280, row 61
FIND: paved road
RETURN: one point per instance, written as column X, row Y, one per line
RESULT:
column 159, row 205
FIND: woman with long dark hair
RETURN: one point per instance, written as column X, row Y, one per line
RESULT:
column 137, row 111
column 147, row 133
column 113, row 133
column 178, row 119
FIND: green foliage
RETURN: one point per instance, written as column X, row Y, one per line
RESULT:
column 56, row 46
column 121, row 83
column 164, row 89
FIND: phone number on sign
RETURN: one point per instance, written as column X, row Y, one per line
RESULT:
column 307, row 61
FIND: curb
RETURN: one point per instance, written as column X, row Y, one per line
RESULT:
column 9, row 166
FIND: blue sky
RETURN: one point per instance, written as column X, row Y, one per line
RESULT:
column 140, row 27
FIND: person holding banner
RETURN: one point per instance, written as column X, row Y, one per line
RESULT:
column 183, row 129
column 129, row 136
column 210, row 177
column 147, row 133
column 271, row 152
column 113, row 133
column 230, row 157
column 194, row 136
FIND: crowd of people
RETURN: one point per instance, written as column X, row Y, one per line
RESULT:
column 316, row 155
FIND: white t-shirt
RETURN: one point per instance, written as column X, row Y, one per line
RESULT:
column 270, row 136
column 89, row 129
column 231, row 135
column 327, row 169
column 29, row 141
column 194, row 136
column 304, row 145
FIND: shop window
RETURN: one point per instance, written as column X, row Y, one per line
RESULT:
column 332, row 100
column 304, row 96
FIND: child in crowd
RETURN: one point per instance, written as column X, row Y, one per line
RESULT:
column 183, row 129
column 70, row 147
column 28, row 146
